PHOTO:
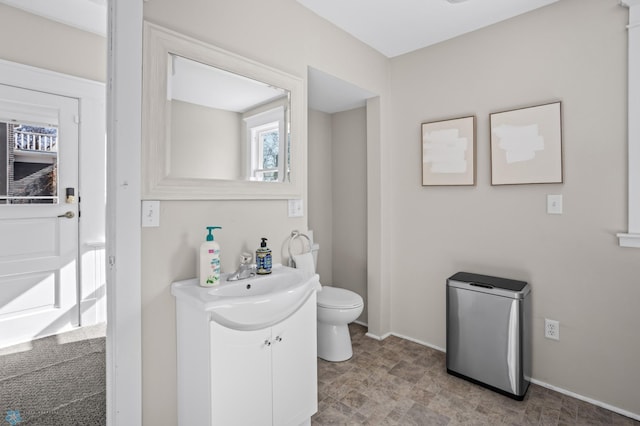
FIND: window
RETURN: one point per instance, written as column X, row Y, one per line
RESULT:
column 266, row 140
column 265, row 145
column 28, row 163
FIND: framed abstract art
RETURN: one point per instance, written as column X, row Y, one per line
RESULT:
column 449, row 152
column 526, row 145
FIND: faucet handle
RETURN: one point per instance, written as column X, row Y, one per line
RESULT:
column 245, row 258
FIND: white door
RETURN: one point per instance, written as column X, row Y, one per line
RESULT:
column 38, row 222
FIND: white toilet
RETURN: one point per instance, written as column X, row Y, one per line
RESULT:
column 337, row 308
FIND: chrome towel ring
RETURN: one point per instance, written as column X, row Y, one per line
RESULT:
column 294, row 236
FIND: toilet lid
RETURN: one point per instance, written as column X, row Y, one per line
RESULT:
column 333, row 297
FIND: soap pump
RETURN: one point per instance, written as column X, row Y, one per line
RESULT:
column 263, row 258
column 209, row 274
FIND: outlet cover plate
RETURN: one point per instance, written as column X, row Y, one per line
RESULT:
column 554, row 204
column 295, row 208
column 551, row 329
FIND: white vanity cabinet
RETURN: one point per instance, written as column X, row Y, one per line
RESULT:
column 229, row 376
column 265, row 377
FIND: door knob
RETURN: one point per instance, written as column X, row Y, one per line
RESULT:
column 68, row 215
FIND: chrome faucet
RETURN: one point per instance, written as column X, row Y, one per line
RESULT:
column 245, row 270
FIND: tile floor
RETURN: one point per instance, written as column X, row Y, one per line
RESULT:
column 398, row 382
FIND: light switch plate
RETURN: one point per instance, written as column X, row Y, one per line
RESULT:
column 150, row 214
column 295, row 208
column 554, row 204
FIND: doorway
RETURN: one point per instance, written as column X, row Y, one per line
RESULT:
column 52, row 271
column 121, row 65
column 338, row 135
column 52, row 218
column 38, row 221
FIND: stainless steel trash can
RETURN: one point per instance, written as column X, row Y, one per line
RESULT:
column 489, row 332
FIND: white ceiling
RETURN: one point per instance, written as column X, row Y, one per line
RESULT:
column 201, row 84
column 330, row 94
column 391, row 27
column 395, row 27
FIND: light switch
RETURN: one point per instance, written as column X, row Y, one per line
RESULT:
column 295, row 208
column 554, row 204
column 150, row 214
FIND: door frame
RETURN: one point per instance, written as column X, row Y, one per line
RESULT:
column 91, row 228
column 91, row 97
column 124, row 276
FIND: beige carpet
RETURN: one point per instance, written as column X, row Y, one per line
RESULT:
column 56, row 380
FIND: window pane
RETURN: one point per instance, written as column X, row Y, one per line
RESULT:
column 270, row 144
column 29, row 164
column 271, row 176
column 4, row 152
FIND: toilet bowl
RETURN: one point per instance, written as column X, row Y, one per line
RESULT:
column 337, row 308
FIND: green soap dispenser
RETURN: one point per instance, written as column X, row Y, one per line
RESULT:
column 209, row 265
column 263, row 258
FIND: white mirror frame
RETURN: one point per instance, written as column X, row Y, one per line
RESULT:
column 159, row 42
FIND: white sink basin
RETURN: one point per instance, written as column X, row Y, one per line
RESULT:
column 253, row 303
column 251, row 287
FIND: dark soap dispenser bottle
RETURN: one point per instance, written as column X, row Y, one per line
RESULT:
column 263, row 258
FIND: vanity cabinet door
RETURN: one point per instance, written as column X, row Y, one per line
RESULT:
column 295, row 377
column 240, row 377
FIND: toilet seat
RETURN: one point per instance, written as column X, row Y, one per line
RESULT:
column 338, row 298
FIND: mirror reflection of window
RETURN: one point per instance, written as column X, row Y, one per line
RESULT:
column 226, row 126
column 28, row 163
column 265, row 143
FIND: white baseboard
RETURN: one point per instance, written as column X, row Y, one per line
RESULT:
column 376, row 337
column 371, row 335
column 534, row 381
column 586, row 399
column 420, row 342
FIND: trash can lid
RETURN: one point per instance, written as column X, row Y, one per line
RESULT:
column 494, row 282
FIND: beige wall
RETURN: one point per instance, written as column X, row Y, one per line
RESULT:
column 338, row 197
column 198, row 153
column 299, row 39
column 321, row 190
column 349, row 172
column 573, row 51
column 32, row 40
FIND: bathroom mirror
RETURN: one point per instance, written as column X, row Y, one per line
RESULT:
column 217, row 125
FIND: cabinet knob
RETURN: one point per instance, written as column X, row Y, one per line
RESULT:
column 267, row 342
column 278, row 339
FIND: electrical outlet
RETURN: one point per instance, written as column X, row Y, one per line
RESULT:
column 551, row 329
